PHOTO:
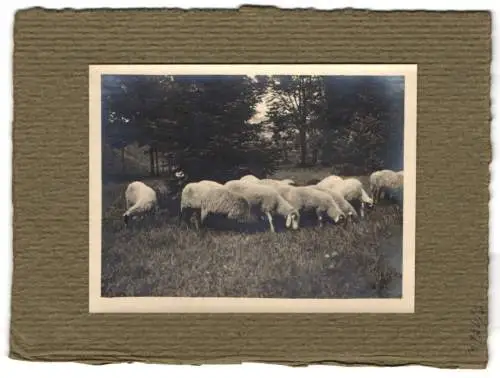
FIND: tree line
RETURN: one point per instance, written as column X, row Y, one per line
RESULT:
column 207, row 124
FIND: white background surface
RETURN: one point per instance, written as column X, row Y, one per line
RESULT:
column 10, row 367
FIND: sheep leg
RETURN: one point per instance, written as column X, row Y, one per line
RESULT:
column 362, row 209
column 197, row 220
column 320, row 219
column 270, row 219
column 203, row 216
column 381, row 194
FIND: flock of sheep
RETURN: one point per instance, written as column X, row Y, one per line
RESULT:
column 333, row 199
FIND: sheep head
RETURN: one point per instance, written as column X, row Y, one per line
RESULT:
column 341, row 218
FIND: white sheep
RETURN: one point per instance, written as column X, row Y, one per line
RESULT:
column 209, row 183
column 352, row 190
column 385, row 181
column 249, row 178
column 209, row 197
column 140, row 200
column 312, row 200
column 274, row 183
column 344, row 205
column 375, row 183
column 288, row 182
column 330, row 182
column 266, row 200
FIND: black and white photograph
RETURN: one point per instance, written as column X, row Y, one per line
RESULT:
column 252, row 188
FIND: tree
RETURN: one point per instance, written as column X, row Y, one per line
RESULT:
column 213, row 114
column 200, row 122
column 293, row 103
column 135, row 108
column 114, row 131
column 360, row 113
column 283, row 131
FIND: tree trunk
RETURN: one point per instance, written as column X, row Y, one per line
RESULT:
column 302, row 123
column 151, row 161
column 285, row 153
column 123, row 159
column 303, row 145
column 314, row 157
column 157, row 162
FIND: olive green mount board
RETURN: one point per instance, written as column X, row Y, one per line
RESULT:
column 53, row 49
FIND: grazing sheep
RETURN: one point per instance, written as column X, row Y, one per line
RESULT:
column 384, row 181
column 312, row 200
column 209, row 197
column 344, row 205
column 140, row 200
column 274, row 183
column 352, row 190
column 266, row 200
column 375, row 183
column 330, row 182
column 288, row 182
column 249, row 178
column 209, row 183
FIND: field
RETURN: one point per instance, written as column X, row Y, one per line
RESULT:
column 359, row 260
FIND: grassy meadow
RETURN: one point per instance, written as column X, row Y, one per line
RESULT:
column 161, row 258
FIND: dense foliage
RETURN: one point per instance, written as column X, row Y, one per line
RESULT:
column 205, row 125
column 198, row 123
column 352, row 122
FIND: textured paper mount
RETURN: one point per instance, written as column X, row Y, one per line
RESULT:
column 50, row 319
column 405, row 304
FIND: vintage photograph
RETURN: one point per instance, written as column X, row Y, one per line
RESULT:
column 253, row 183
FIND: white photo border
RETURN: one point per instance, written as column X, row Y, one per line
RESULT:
column 405, row 304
